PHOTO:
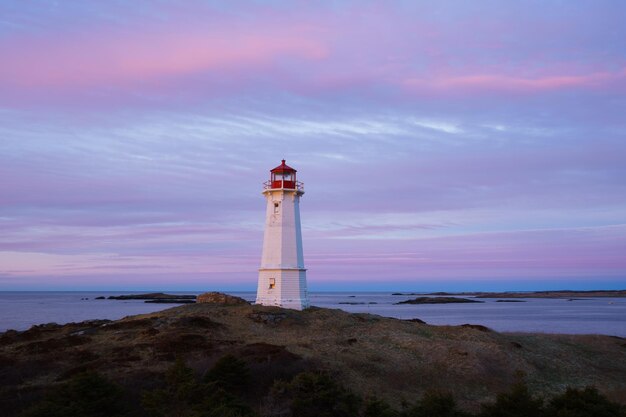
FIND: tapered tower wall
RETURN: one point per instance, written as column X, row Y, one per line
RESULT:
column 282, row 276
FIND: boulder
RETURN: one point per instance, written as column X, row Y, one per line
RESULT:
column 220, row 298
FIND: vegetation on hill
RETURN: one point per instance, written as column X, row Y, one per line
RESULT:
column 212, row 359
column 182, row 393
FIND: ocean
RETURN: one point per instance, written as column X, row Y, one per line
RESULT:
column 20, row 310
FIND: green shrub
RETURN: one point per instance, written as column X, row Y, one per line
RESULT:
column 316, row 394
column 176, row 397
column 518, row 402
column 375, row 407
column 435, row 404
column 586, row 402
column 219, row 403
column 229, row 373
column 184, row 396
column 86, row 395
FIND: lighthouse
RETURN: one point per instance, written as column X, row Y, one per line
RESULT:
column 282, row 276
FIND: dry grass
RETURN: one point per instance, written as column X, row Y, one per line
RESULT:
column 372, row 355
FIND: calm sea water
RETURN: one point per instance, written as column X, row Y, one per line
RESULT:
column 20, row 310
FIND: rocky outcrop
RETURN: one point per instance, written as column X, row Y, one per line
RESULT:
column 220, row 298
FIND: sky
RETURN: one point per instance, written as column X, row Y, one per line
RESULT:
column 444, row 145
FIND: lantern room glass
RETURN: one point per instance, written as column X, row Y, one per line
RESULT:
column 283, row 179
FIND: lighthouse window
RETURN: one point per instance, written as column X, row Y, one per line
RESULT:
column 272, row 283
column 276, row 207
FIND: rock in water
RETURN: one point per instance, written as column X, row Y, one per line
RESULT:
column 220, row 298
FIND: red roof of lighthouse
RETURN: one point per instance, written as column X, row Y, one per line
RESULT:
column 283, row 168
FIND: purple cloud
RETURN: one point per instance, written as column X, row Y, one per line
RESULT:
column 438, row 142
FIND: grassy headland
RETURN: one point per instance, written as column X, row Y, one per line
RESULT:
column 394, row 360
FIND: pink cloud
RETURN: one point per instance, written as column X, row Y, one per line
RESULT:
column 199, row 52
column 514, row 83
column 103, row 58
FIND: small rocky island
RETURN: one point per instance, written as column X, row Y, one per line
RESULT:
column 554, row 294
column 438, row 300
column 155, row 297
column 355, row 303
column 162, row 298
column 534, row 294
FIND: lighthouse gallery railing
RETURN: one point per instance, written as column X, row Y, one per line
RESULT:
column 289, row 185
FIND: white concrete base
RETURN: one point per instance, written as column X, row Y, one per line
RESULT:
column 290, row 290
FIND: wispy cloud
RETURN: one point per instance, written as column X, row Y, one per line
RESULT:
column 436, row 140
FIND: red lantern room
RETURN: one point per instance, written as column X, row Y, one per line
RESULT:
column 283, row 176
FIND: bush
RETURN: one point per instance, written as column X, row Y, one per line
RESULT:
column 177, row 396
column 518, row 402
column 86, row 395
column 229, row 373
column 219, row 403
column 586, row 402
column 184, row 396
column 315, row 394
column 375, row 407
column 435, row 404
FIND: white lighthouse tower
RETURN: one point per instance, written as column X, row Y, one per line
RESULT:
column 282, row 276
